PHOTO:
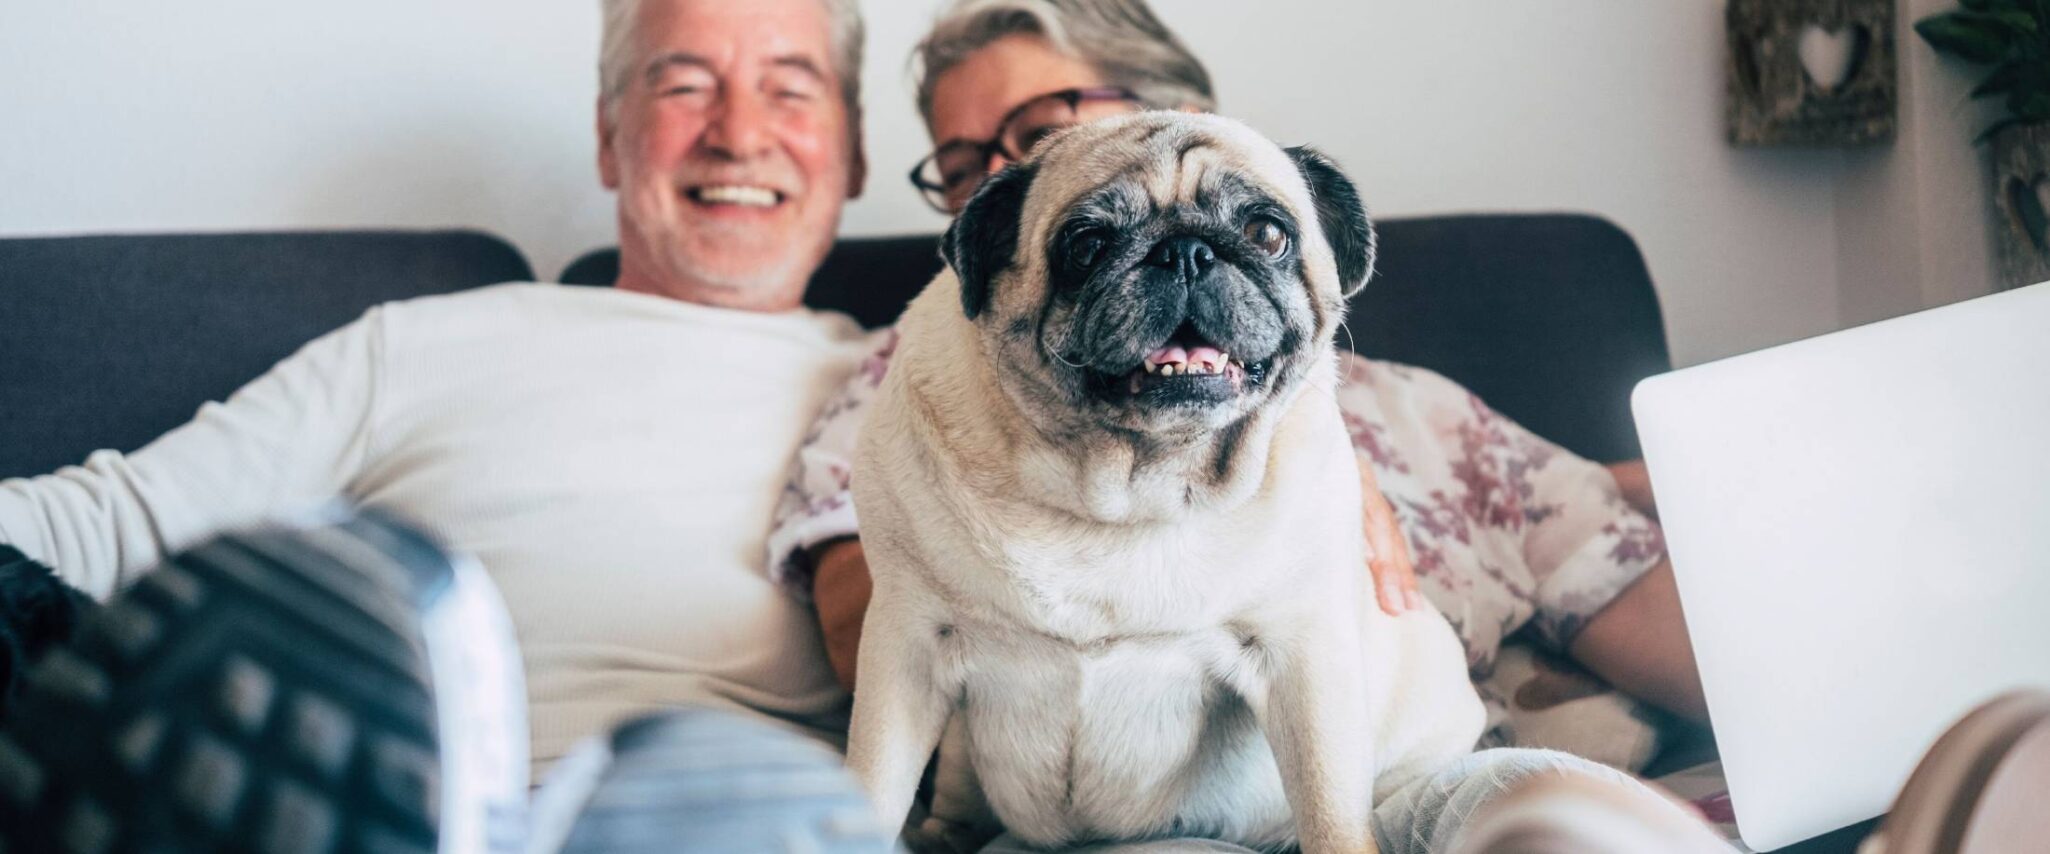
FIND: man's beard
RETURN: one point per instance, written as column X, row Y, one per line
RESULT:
column 778, row 269
column 770, row 275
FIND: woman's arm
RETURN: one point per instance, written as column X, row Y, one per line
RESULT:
column 1635, row 483
column 840, row 590
column 1639, row 644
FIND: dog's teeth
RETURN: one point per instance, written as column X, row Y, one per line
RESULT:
column 1169, row 370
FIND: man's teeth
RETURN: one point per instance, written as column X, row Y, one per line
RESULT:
column 754, row 197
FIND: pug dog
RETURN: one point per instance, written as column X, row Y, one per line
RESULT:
column 1112, row 512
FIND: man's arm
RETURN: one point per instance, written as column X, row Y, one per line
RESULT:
column 287, row 441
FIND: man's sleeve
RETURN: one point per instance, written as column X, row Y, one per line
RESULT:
column 817, row 504
column 286, row 442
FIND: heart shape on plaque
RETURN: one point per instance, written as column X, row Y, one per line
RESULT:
column 2030, row 202
column 1830, row 56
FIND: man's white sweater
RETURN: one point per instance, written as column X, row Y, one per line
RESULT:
column 611, row 458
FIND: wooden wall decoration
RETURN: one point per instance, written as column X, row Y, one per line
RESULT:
column 2021, row 191
column 1810, row 72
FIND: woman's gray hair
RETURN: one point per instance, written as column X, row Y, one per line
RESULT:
column 617, row 62
column 1121, row 39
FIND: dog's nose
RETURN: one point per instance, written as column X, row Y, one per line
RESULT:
column 1185, row 253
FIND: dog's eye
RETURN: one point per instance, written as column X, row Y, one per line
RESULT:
column 1086, row 249
column 1267, row 234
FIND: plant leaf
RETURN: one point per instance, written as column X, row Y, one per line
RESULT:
column 2017, row 21
column 1990, row 5
column 1965, row 35
column 2003, row 78
column 2033, row 106
column 1997, row 127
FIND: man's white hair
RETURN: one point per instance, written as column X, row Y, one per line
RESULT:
column 617, row 62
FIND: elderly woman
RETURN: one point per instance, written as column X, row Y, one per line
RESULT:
column 1508, row 529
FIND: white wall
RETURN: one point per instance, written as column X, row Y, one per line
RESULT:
column 234, row 114
column 258, row 114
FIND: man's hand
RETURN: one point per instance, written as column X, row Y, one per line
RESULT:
column 840, row 589
column 1387, row 553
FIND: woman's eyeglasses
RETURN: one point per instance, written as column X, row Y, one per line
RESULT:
column 949, row 175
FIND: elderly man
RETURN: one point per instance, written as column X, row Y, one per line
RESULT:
column 610, row 456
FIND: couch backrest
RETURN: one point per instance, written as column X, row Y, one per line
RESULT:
column 1550, row 318
column 108, row 341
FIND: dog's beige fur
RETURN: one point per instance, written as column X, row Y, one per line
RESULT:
column 1163, row 628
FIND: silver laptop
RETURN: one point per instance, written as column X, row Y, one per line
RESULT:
column 1860, row 527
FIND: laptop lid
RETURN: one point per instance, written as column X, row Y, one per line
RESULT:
column 1860, row 529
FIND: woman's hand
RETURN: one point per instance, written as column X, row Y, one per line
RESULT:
column 1387, row 553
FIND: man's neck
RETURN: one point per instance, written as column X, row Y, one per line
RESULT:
column 701, row 293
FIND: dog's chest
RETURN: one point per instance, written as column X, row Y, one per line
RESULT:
column 1122, row 738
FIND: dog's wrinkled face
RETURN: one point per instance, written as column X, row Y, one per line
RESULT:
column 1161, row 273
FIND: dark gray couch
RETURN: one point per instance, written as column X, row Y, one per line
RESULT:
column 107, row 341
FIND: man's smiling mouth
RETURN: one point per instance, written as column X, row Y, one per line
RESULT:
column 736, row 195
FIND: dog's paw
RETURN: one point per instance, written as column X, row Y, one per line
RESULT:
column 934, row 836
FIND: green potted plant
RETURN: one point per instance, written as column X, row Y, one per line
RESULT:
column 2012, row 38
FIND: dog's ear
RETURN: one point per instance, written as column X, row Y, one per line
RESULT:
column 1341, row 216
column 983, row 240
